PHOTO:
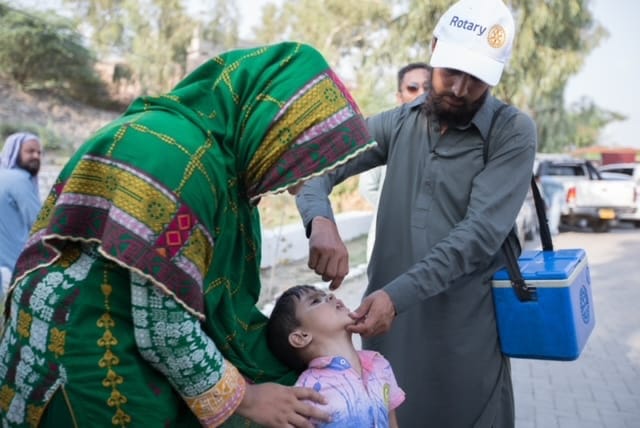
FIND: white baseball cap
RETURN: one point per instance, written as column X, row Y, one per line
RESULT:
column 475, row 36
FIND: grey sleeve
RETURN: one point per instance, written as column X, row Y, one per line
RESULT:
column 313, row 199
column 497, row 193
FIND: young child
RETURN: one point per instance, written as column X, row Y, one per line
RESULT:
column 307, row 331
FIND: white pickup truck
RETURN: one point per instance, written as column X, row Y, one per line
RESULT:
column 588, row 198
column 625, row 171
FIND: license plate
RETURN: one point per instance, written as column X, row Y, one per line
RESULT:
column 607, row 214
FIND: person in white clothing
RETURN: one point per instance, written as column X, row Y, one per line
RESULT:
column 19, row 198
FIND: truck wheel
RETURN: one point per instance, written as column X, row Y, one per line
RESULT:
column 531, row 233
column 601, row 226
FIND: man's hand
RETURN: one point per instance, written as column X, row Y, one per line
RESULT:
column 328, row 256
column 276, row 406
column 374, row 315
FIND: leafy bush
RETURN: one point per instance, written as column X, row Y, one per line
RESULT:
column 44, row 52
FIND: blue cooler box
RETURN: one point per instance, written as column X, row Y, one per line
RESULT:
column 557, row 325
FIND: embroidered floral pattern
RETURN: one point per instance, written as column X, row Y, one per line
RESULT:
column 24, row 323
column 213, row 407
column 6, row 396
column 176, row 345
column 110, row 360
column 35, row 338
column 149, row 227
column 56, row 342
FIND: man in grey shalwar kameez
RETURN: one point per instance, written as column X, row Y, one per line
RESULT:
column 444, row 212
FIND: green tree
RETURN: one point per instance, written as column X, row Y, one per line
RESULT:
column 219, row 22
column 106, row 22
column 153, row 37
column 376, row 37
column 586, row 120
column 44, row 52
column 158, row 53
column 348, row 34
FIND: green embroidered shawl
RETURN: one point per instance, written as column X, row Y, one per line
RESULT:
column 167, row 189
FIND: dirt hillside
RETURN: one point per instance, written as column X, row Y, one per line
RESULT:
column 71, row 121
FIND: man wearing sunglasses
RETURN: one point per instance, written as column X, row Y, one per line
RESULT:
column 413, row 81
column 444, row 212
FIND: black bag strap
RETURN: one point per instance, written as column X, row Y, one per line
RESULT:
column 485, row 147
column 543, row 221
column 519, row 285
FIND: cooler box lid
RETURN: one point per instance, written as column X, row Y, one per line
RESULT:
column 545, row 265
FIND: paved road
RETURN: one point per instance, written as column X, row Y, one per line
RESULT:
column 602, row 388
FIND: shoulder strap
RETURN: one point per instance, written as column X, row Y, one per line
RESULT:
column 543, row 223
column 485, row 147
column 523, row 291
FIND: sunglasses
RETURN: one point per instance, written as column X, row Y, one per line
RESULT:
column 412, row 88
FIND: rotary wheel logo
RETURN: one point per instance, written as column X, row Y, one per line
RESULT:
column 497, row 36
column 584, row 305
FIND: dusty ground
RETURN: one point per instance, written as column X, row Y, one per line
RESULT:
column 71, row 121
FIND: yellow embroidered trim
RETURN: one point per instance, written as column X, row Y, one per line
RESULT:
column 198, row 250
column 70, row 255
column 24, row 323
column 141, row 199
column 6, row 396
column 110, row 360
column 302, row 114
column 34, row 413
column 214, row 406
column 57, row 339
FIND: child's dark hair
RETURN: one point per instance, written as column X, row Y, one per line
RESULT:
column 282, row 322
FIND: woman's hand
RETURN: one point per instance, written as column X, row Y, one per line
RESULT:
column 276, row 406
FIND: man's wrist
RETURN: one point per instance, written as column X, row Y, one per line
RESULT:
column 400, row 300
column 309, row 227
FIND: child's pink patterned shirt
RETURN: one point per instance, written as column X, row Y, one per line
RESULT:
column 354, row 401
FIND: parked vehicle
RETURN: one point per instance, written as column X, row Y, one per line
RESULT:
column 632, row 172
column 527, row 220
column 588, row 198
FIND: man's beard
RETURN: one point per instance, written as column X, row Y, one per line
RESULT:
column 461, row 116
column 32, row 166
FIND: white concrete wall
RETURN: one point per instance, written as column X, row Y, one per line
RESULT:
column 289, row 243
